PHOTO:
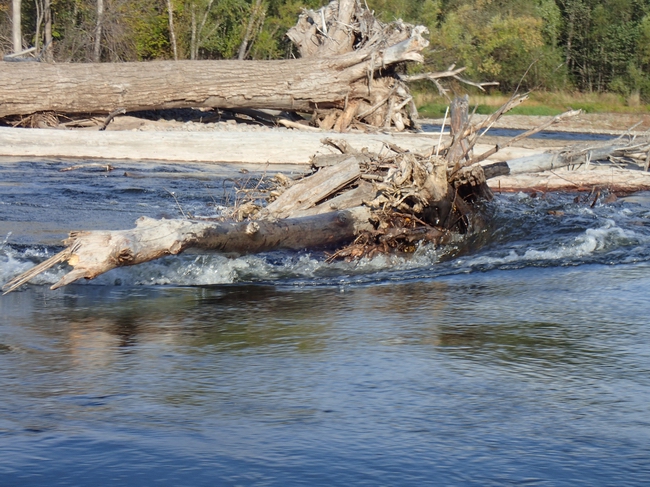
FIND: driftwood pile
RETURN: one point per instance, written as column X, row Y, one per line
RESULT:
column 388, row 202
column 355, row 204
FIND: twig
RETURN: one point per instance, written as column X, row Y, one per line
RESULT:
column 177, row 203
column 442, row 129
column 567, row 180
column 110, row 117
column 480, row 86
column 450, row 73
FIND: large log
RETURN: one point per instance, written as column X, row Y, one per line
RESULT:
column 92, row 253
column 340, row 78
column 302, row 85
column 266, row 147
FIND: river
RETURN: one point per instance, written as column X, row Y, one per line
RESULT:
column 520, row 356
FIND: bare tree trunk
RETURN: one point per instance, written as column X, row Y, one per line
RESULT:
column 172, row 32
column 16, row 29
column 192, row 31
column 252, row 20
column 97, row 51
column 39, row 21
column 48, row 48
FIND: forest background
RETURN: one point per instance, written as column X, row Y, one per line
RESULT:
column 590, row 54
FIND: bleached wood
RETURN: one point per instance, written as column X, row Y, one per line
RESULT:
column 272, row 146
column 95, row 252
column 315, row 188
column 611, row 178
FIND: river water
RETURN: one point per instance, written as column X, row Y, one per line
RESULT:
column 520, row 356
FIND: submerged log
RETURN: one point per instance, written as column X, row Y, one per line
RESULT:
column 95, row 252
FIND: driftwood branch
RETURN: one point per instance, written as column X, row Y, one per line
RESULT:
column 635, row 151
column 452, row 73
column 96, row 252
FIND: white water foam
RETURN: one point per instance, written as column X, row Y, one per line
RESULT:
column 592, row 241
column 211, row 269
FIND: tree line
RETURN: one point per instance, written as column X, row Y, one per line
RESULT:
column 589, row 45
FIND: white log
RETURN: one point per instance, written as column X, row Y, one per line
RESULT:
column 272, row 147
column 92, row 253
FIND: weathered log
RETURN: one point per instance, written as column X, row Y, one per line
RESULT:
column 572, row 156
column 337, row 75
column 614, row 179
column 315, row 188
column 272, row 146
column 96, row 252
column 301, row 84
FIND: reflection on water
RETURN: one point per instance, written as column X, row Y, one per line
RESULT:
column 529, row 376
column 520, row 356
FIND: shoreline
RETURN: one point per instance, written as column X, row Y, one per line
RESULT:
column 586, row 123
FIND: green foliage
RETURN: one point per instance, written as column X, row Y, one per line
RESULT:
column 150, row 32
column 432, row 110
column 534, row 110
column 501, row 41
column 605, row 43
column 272, row 43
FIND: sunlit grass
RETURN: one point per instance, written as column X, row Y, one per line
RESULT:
column 431, row 105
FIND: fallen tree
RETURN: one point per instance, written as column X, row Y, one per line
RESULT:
column 345, row 74
column 374, row 203
column 618, row 165
column 380, row 203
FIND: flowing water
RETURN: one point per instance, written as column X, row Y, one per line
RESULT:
column 520, row 356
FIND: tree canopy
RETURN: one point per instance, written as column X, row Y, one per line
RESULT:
column 590, row 45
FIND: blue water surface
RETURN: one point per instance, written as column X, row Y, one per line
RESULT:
column 520, row 356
